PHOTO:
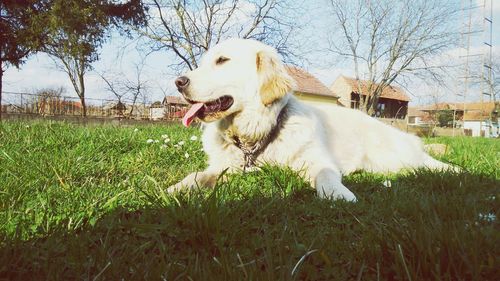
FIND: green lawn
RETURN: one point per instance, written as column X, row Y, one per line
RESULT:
column 88, row 203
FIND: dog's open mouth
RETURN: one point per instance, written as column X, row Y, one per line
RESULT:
column 200, row 109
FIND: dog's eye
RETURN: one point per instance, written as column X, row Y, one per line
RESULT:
column 221, row 60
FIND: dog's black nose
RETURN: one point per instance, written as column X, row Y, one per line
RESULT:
column 181, row 82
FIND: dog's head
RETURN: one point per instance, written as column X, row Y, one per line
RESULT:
column 233, row 75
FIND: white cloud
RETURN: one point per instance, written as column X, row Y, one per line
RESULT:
column 40, row 72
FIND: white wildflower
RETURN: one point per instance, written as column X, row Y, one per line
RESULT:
column 387, row 183
column 150, row 141
column 136, row 130
column 489, row 217
column 181, row 143
column 163, row 146
column 157, row 141
column 176, row 145
column 164, row 136
column 167, row 140
column 186, row 155
column 27, row 126
column 194, row 138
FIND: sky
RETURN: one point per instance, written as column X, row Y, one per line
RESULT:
column 119, row 54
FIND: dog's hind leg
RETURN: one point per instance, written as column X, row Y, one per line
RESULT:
column 433, row 164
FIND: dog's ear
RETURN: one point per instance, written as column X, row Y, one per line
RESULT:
column 274, row 79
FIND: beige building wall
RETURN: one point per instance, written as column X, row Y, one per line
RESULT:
column 315, row 99
column 342, row 89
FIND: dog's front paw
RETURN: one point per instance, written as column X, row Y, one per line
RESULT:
column 194, row 180
column 329, row 186
column 176, row 187
column 347, row 196
column 339, row 193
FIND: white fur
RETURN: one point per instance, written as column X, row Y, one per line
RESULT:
column 323, row 142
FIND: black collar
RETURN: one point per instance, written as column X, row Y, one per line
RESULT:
column 251, row 152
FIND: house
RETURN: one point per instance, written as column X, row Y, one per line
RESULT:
column 309, row 89
column 57, row 105
column 481, row 119
column 429, row 114
column 477, row 119
column 416, row 116
column 169, row 107
column 120, row 109
column 393, row 102
column 115, row 108
column 156, row 111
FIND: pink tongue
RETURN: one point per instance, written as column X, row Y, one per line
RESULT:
column 191, row 114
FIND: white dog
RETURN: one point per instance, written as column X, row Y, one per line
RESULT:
column 242, row 92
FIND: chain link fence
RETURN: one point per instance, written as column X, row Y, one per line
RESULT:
column 58, row 105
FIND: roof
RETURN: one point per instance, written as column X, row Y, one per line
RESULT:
column 423, row 115
column 389, row 92
column 476, row 115
column 307, row 83
column 76, row 104
column 486, row 106
column 472, row 106
column 440, row 106
column 479, row 111
column 174, row 100
column 416, row 111
column 474, row 111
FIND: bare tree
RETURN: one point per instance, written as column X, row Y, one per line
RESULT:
column 127, row 89
column 189, row 28
column 137, row 87
column 495, row 79
column 113, row 84
column 50, row 100
column 479, row 78
column 390, row 40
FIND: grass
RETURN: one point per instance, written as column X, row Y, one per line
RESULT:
column 89, row 203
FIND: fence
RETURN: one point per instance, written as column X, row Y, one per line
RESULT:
column 423, row 131
column 57, row 105
column 22, row 105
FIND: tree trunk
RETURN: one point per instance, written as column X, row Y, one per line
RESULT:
column 372, row 105
column 1, row 80
column 84, row 106
column 82, row 92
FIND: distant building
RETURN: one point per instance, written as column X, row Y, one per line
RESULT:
column 477, row 119
column 156, row 111
column 115, row 108
column 482, row 119
column 418, row 117
column 393, row 102
column 170, row 107
column 309, row 89
column 57, row 106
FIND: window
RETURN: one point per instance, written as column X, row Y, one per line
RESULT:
column 380, row 109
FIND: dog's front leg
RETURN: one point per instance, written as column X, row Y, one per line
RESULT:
column 328, row 185
column 193, row 180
